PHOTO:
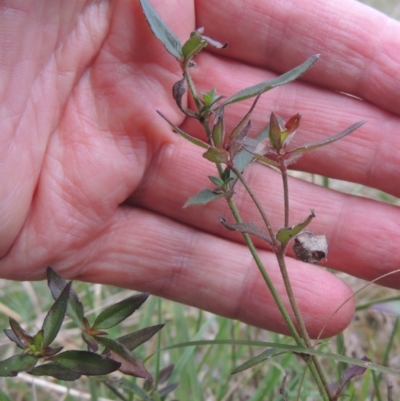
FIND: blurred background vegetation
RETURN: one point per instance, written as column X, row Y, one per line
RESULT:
column 204, row 372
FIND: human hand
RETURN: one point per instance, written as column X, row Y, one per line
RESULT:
column 94, row 180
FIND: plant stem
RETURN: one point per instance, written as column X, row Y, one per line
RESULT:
column 280, row 255
column 315, row 366
column 317, row 372
column 258, row 205
column 299, row 319
column 192, row 89
column 283, row 169
column 265, row 276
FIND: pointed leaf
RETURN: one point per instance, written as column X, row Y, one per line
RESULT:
column 266, row 161
column 240, row 127
column 214, row 43
column 349, row 373
column 275, row 132
column 218, row 132
column 165, row 373
column 209, row 97
column 75, row 308
column 216, row 181
column 50, row 351
column 269, row 353
column 130, row 364
column 273, row 83
column 163, row 392
column 18, row 363
column 193, row 46
column 284, row 235
column 204, row 197
column 161, row 31
column 178, row 90
column 133, row 340
column 55, row 316
column 38, row 340
column 244, row 157
column 90, row 341
column 216, row 155
column 329, row 140
column 248, row 228
column 118, row 312
column 190, row 138
column 11, row 336
column 55, row 370
column 24, row 338
column 86, row 363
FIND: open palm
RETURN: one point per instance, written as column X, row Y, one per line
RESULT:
column 93, row 180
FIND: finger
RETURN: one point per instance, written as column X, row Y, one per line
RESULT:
column 39, row 67
column 148, row 252
column 359, row 47
column 362, row 234
column 370, row 155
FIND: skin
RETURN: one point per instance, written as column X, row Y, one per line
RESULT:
column 93, row 180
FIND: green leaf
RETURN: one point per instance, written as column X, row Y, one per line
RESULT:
column 193, row 46
column 265, row 160
column 293, row 349
column 135, row 389
column 216, row 155
column 86, row 363
column 190, row 138
column 38, row 340
column 133, row 340
column 247, row 228
column 55, row 370
column 204, row 197
column 118, row 312
column 216, row 181
column 24, row 339
column 284, row 235
column 161, row 31
column 243, row 158
column 218, row 132
column 75, row 308
column 209, row 97
column 90, row 341
column 275, row 132
column 18, row 363
column 273, row 83
column 315, row 145
column 130, row 364
column 269, row 353
column 55, row 316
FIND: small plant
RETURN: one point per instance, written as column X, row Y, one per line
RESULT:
column 39, row 357
column 232, row 153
